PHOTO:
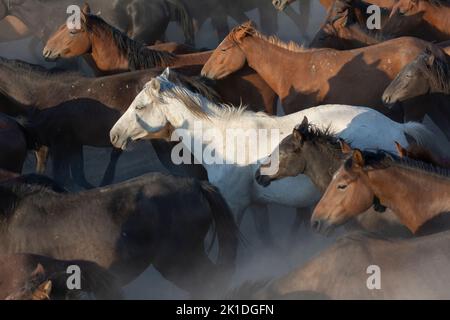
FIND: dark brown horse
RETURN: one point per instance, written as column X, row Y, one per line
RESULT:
column 155, row 219
column 25, row 87
column 14, row 144
column 428, row 73
column 307, row 77
column 33, row 277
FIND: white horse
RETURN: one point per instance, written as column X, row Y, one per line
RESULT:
column 162, row 104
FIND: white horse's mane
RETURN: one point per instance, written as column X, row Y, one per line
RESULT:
column 202, row 107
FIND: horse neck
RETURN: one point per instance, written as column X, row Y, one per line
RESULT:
column 261, row 55
column 321, row 171
column 414, row 196
column 362, row 36
column 437, row 16
column 198, row 58
column 107, row 55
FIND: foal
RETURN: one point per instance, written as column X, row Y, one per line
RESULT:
column 415, row 191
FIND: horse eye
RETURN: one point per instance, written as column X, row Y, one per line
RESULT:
column 342, row 186
column 140, row 107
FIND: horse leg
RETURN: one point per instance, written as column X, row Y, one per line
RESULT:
column 305, row 9
column 192, row 270
column 77, row 167
column 41, row 159
column 262, row 224
column 110, row 172
column 60, row 165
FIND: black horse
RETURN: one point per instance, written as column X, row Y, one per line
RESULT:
column 156, row 219
column 142, row 20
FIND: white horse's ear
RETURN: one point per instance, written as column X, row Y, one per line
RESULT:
column 154, row 86
column 166, row 73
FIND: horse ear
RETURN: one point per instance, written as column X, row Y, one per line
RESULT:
column 243, row 30
column 298, row 136
column 345, row 147
column 429, row 60
column 43, row 291
column 86, row 9
column 410, row 139
column 402, row 153
column 358, row 158
column 166, row 73
column 155, row 86
column 39, row 271
column 305, row 122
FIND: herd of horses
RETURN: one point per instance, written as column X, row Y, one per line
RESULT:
column 364, row 143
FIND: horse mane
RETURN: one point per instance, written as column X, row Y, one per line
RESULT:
column 183, row 89
column 139, row 56
column 313, row 133
column 248, row 29
column 439, row 72
column 381, row 159
column 418, row 152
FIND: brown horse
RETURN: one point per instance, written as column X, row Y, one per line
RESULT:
column 113, row 52
column 13, row 144
column 410, row 269
column 33, row 277
column 394, row 182
column 425, row 19
column 307, row 77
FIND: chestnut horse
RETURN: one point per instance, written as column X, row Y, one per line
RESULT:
column 307, row 77
column 113, row 52
column 425, row 19
column 396, row 183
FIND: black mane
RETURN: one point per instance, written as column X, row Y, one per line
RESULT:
column 381, row 159
column 139, row 56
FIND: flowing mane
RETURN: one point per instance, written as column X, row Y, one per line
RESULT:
column 139, row 56
column 248, row 29
column 194, row 102
column 382, row 159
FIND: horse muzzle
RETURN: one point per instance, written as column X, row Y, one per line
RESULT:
column 50, row 56
column 262, row 179
column 323, row 227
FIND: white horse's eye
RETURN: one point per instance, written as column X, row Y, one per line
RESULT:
column 140, row 106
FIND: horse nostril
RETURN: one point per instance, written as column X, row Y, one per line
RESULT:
column 276, row 3
column 114, row 138
column 315, row 225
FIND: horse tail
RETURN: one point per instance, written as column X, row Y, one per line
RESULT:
column 227, row 231
column 184, row 19
column 428, row 139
